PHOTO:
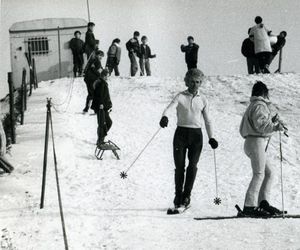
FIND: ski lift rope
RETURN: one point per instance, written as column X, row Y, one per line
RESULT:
column 67, row 99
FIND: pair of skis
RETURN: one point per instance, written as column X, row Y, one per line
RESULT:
column 240, row 215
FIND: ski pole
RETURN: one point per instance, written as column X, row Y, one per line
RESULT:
column 124, row 173
column 217, row 200
column 281, row 173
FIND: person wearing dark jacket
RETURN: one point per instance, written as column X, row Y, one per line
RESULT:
column 145, row 55
column 113, row 57
column 91, row 74
column 90, row 41
column 192, row 109
column 248, row 52
column 102, row 106
column 278, row 45
column 133, row 48
column 77, row 47
column 191, row 53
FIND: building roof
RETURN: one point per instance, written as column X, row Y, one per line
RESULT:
column 47, row 24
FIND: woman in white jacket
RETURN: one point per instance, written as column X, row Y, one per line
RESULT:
column 262, row 44
column 256, row 128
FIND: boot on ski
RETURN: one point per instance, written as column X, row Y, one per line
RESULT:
column 254, row 212
column 177, row 200
column 267, row 207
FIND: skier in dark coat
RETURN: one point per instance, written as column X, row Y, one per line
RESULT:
column 145, row 55
column 77, row 47
column 191, row 53
column 91, row 74
column 192, row 108
column 133, row 48
column 102, row 106
column 278, row 45
column 248, row 52
column 113, row 57
column 90, row 41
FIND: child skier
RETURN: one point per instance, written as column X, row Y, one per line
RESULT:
column 256, row 128
column 192, row 107
column 102, row 106
column 113, row 57
column 145, row 55
column 91, row 74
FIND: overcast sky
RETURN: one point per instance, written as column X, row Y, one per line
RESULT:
column 219, row 27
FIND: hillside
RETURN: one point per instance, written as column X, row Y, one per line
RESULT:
column 103, row 211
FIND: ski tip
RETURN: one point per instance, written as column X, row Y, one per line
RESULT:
column 238, row 208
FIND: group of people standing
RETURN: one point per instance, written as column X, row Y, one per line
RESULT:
column 261, row 47
column 192, row 107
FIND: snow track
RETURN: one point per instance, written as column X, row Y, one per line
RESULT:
column 103, row 211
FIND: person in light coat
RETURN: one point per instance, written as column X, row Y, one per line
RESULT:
column 262, row 44
column 113, row 57
column 256, row 127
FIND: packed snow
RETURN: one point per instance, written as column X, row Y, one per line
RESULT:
column 103, row 211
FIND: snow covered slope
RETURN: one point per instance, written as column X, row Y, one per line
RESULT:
column 103, row 211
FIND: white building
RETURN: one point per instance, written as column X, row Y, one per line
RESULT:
column 49, row 40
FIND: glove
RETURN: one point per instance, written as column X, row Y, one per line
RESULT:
column 279, row 127
column 275, row 118
column 213, row 143
column 164, row 122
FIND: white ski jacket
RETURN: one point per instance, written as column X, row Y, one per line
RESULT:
column 191, row 110
column 261, row 38
column 257, row 120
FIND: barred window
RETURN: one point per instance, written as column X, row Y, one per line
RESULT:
column 39, row 45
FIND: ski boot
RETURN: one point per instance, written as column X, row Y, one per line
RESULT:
column 267, row 207
column 254, row 212
column 177, row 200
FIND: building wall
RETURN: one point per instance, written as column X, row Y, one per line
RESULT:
column 47, row 65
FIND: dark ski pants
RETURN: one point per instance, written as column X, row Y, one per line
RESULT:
column 133, row 64
column 186, row 141
column 191, row 65
column 104, row 124
column 145, row 65
column 252, row 64
column 263, row 61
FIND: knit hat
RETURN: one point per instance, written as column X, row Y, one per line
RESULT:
column 260, row 89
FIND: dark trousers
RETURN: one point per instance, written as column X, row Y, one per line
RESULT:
column 104, row 124
column 77, row 64
column 191, row 65
column 145, row 65
column 112, row 65
column 133, row 64
column 263, row 61
column 252, row 64
column 90, row 95
column 186, row 141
